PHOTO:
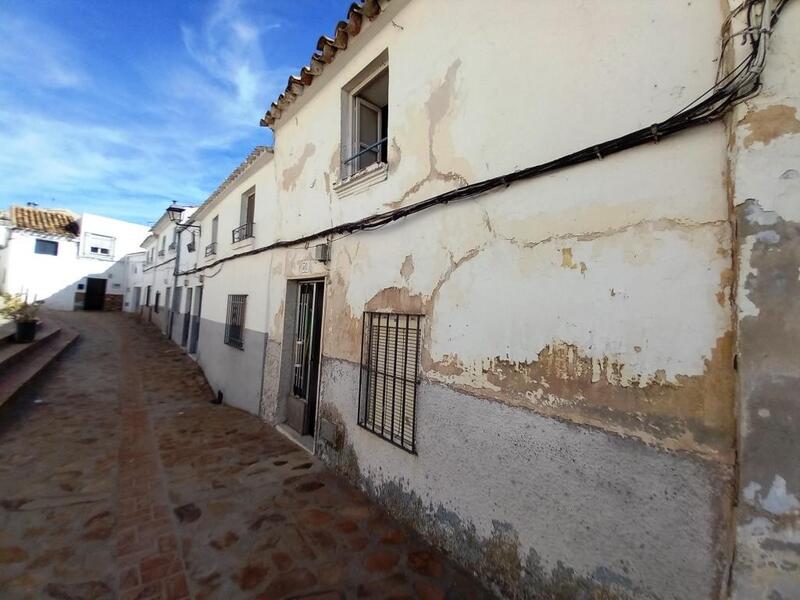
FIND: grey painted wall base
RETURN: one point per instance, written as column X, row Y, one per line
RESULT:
column 768, row 540
column 536, row 505
column 236, row 372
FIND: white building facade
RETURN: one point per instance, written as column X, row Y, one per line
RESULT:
column 68, row 261
column 545, row 375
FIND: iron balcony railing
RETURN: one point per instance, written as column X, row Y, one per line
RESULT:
column 161, row 253
column 211, row 249
column 370, row 148
column 190, row 247
column 172, row 246
column 242, row 232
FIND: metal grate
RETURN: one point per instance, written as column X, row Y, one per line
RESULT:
column 242, row 232
column 234, row 324
column 387, row 403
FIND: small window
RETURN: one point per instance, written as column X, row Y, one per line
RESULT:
column 388, row 386
column 234, row 324
column 248, row 208
column 99, row 245
column 369, row 123
column 46, row 247
column 246, row 214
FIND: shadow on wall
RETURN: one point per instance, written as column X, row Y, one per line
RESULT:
column 97, row 291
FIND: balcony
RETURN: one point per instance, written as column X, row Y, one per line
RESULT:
column 172, row 246
column 161, row 253
column 211, row 249
column 242, row 232
column 190, row 247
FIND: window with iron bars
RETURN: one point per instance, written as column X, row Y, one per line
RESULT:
column 234, row 323
column 387, row 404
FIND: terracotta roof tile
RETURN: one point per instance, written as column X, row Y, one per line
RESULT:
column 54, row 222
column 243, row 166
column 327, row 47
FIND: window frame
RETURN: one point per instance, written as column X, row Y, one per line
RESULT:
column 92, row 241
column 350, row 133
column 46, row 243
column 369, row 376
column 237, row 307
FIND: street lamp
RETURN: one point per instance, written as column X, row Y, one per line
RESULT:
column 175, row 213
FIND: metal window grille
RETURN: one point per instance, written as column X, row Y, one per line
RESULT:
column 242, row 232
column 234, row 324
column 387, row 403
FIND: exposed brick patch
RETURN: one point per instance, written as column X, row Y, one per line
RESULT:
column 148, row 557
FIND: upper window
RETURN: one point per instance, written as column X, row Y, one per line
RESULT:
column 388, row 386
column 234, row 323
column 248, row 209
column 246, row 215
column 46, row 247
column 367, row 121
column 99, row 245
column 211, row 248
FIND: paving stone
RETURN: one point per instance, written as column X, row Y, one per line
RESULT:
column 128, row 480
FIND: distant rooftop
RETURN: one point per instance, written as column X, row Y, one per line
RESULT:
column 43, row 220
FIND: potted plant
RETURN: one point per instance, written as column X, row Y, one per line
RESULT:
column 17, row 308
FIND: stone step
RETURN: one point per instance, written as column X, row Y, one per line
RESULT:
column 12, row 353
column 20, row 366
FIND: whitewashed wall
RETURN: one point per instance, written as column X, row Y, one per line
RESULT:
column 577, row 397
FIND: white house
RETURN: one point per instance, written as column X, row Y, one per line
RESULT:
column 68, row 261
column 497, row 273
column 161, row 296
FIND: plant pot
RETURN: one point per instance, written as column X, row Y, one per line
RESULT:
column 26, row 332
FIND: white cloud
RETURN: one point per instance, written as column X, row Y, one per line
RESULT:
column 105, row 150
column 36, row 52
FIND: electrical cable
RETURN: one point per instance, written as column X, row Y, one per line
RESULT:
column 741, row 83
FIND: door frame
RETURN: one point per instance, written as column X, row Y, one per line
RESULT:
column 286, row 376
column 103, row 295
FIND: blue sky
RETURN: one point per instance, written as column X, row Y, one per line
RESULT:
column 118, row 107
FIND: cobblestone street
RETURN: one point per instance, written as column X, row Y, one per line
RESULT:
column 118, row 479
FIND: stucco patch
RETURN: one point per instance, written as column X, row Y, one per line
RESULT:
column 769, row 123
column 407, row 269
column 292, row 174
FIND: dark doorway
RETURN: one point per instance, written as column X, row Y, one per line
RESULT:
column 307, row 336
column 95, row 296
column 187, row 316
column 195, row 327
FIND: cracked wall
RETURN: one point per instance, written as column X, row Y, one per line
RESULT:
column 765, row 162
column 576, row 426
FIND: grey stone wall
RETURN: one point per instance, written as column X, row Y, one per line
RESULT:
column 538, row 506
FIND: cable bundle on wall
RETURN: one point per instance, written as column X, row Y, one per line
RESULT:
column 740, row 83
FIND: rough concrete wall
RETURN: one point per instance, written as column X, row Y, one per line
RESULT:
column 765, row 168
column 540, row 508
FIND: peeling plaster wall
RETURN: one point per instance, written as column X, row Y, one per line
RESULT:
column 765, row 167
column 576, row 414
column 538, row 506
column 576, row 424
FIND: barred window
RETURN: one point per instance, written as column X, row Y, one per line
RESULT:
column 388, row 385
column 234, row 324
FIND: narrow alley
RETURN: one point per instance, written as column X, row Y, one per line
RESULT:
column 119, row 479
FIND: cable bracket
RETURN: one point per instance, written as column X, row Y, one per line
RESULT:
column 597, row 153
column 654, row 131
